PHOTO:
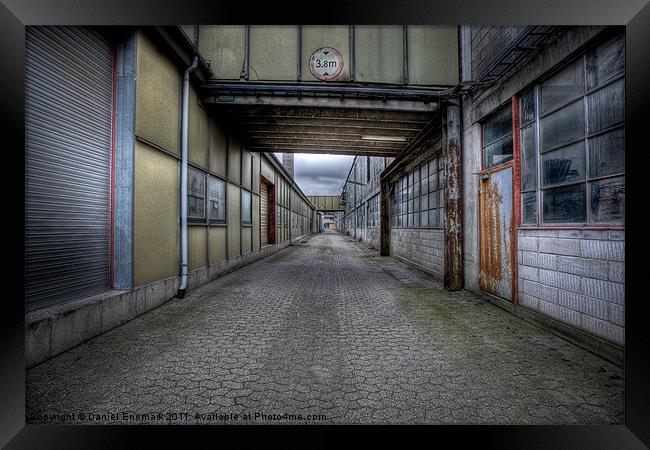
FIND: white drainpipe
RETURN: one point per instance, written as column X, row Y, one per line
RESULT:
column 184, row 157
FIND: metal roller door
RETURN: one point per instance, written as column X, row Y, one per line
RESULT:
column 264, row 206
column 68, row 113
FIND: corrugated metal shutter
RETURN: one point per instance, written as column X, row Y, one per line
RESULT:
column 68, row 111
column 264, row 206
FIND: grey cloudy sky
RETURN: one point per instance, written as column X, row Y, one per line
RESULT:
column 320, row 174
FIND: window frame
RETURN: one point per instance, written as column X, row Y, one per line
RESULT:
column 406, row 207
column 588, row 136
column 204, row 175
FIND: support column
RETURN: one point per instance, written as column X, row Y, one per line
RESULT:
column 124, row 157
column 452, row 160
column 384, row 218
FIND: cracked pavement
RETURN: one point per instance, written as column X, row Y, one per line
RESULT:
column 326, row 328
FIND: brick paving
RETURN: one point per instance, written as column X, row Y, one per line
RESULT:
column 326, row 328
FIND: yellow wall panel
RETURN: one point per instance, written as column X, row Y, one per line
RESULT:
column 246, row 240
column 246, row 170
column 433, row 54
column 256, row 172
column 218, row 151
column 198, row 131
column 256, row 223
column 379, row 53
column 197, row 246
column 158, row 90
column 156, row 212
column 234, row 160
column 223, row 45
column 273, row 52
column 234, row 220
column 217, row 243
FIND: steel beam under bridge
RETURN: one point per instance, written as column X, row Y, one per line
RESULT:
column 332, row 119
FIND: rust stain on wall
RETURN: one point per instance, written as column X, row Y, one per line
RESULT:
column 491, row 240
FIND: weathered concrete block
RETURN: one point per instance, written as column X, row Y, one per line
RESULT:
column 617, row 235
column 547, row 261
column 37, row 342
column 550, row 309
column 616, row 272
column 155, row 295
column 593, row 268
column 540, row 291
column 567, row 247
column 170, row 288
column 617, row 314
column 528, row 258
column 529, row 273
column 595, row 326
column 528, row 301
column 527, row 243
column 139, row 296
column 569, row 316
column 609, row 250
column 604, row 290
column 561, row 280
column 115, row 310
column 75, row 326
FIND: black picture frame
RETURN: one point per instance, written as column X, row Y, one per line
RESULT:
column 15, row 14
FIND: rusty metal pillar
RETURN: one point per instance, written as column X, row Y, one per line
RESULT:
column 452, row 166
column 384, row 218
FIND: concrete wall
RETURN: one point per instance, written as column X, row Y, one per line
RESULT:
column 422, row 248
column 576, row 277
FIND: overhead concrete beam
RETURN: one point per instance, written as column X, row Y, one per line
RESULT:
column 323, row 102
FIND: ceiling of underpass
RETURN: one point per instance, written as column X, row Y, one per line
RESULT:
column 326, row 126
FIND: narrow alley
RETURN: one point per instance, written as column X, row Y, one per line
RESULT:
column 326, row 328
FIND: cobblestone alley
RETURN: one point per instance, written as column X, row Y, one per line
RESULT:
column 326, row 328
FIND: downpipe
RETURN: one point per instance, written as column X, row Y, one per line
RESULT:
column 184, row 158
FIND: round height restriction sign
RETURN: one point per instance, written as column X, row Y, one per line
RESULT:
column 326, row 63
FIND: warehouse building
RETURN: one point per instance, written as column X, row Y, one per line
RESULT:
column 103, row 170
column 543, row 187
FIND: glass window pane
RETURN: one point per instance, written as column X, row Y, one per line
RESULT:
column 441, row 217
column 527, row 106
column 433, row 182
column 433, row 166
column 195, row 193
column 498, row 125
column 433, row 200
column 416, row 219
column 529, row 208
column 497, row 153
column 605, row 62
column 564, row 86
column 416, row 189
column 606, row 107
column 424, row 218
column 563, row 126
column 607, row 154
column 424, row 172
column 565, row 204
column 424, row 185
column 528, row 159
column 608, row 200
column 246, row 207
column 564, row 165
column 216, row 199
column 424, row 204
